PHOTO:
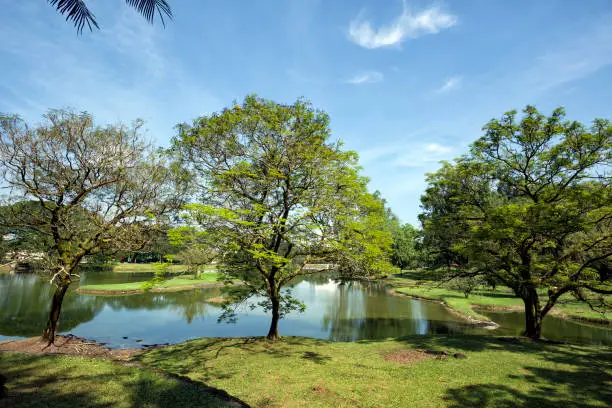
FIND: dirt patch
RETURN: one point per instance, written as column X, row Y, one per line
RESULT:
column 68, row 345
column 408, row 356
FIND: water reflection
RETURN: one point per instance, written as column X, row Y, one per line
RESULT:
column 24, row 305
column 338, row 312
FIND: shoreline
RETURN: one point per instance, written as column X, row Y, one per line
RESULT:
column 392, row 289
column 484, row 323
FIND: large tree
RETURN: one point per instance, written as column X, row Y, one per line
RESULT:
column 530, row 207
column 96, row 189
column 274, row 194
column 79, row 13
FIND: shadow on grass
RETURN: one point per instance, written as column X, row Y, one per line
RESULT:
column 315, row 357
column 44, row 381
column 588, row 386
column 584, row 375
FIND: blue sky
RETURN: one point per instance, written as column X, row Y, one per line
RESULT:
column 406, row 84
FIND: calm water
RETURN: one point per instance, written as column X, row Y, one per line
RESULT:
column 341, row 313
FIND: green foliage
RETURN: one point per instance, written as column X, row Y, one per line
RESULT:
column 275, row 194
column 160, row 275
column 530, row 207
column 405, row 254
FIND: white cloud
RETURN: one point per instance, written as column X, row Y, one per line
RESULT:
column 438, row 149
column 414, row 154
column 369, row 77
column 450, row 84
column 407, row 25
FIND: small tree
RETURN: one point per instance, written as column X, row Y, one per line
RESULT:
column 275, row 195
column 96, row 189
column 465, row 285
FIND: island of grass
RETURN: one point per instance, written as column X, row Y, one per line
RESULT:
column 416, row 284
column 126, row 267
column 183, row 282
column 417, row 371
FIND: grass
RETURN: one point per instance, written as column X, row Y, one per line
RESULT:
column 458, row 302
column 59, row 381
column 415, row 284
column 182, row 282
column 302, row 372
column 144, row 267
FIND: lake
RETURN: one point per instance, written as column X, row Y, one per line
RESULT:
column 355, row 311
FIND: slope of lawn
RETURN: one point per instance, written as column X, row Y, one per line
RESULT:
column 59, row 381
column 303, row 372
column 178, row 283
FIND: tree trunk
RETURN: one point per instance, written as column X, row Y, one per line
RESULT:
column 533, row 315
column 273, row 333
column 54, row 314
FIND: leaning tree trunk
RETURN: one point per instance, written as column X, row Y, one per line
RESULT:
column 56, row 308
column 273, row 332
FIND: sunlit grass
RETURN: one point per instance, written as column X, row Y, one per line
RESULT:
column 302, row 372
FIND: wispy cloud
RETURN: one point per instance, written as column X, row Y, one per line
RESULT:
column 585, row 54
column 110, row 91
column 450, row 84
column 414, row 154
column 368, row 77
column 407, row 25
column 437, row 149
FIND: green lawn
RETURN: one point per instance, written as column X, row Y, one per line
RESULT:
column 57, row 381
column 143, row 267
column 414, row 285
column 302, row 372
column 182, row 282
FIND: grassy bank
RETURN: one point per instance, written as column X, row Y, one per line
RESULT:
column 302, row 372
column 58, row 381
column 183, row 282
column 414, row 284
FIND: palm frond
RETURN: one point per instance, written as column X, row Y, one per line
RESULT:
column 77, row 12
column 148, row 8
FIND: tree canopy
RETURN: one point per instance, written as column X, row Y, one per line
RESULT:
column 274, row 195
column 531, row 207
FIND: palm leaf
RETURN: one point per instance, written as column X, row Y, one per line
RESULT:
column 148, row 8
column 77, row 11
